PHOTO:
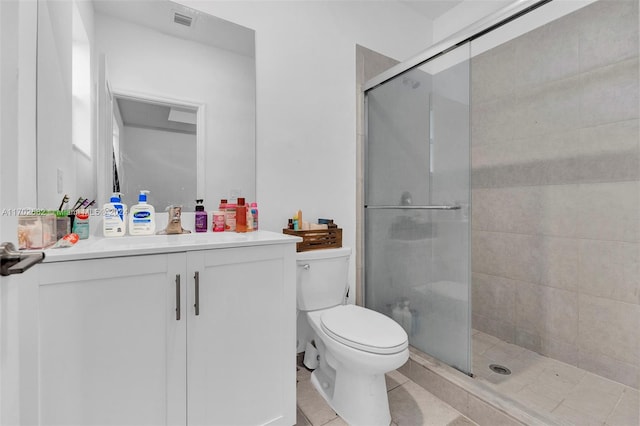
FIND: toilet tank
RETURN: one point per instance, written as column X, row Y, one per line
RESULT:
column 322, row 278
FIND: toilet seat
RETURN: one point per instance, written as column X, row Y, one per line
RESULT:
column 364, row 329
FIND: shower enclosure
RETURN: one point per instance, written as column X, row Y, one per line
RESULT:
column 417, row 205
column 554, row 162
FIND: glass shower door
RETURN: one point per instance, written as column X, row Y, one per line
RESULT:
column 417, row 205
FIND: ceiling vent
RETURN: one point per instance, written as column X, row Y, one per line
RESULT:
column 181, row 19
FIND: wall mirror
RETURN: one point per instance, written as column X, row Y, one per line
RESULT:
column 143, row 95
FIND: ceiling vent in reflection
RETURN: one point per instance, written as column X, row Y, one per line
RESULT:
column 181, row 19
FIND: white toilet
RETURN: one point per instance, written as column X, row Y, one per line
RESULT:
column 356, row 346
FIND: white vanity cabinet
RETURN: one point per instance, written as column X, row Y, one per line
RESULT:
column 241, row 340
column 114, row 349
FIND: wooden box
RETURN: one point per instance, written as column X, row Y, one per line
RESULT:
column 317, row 239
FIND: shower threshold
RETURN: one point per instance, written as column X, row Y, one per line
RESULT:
column 540, row 390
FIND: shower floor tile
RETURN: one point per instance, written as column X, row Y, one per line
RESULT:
column 410, row 405
column 566, row 392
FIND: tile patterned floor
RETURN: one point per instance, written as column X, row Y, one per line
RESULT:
column 568, row 393
column 409, row 403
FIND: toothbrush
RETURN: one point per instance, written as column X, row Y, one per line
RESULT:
column 77, row 204
column 65, row 199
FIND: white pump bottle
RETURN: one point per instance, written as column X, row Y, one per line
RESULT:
column 142, row 217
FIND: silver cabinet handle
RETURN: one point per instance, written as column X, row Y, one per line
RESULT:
column 177, row 297
column 415, row 207
column 196, row 276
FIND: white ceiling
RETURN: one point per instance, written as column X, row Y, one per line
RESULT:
column 205, row 29
column 430, row 9
column 151, row 115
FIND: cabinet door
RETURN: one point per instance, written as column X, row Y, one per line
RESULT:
column 111, row 351
column 241, row 343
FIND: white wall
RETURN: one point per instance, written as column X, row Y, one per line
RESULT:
column 17, row 189
column 306, row 105
column 54, row 107
column 17, row 112
column 149, row 62
column 54, row 103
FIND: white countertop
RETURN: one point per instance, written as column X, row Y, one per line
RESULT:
column 101, row 247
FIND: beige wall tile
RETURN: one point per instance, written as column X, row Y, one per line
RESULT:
column 547, row 312
column 610, row 94
column 495, row 327
column 607, row 34
column 610, row 328
column 560, row 314
column 549, row 108
column 609, row 211
column 495, row 120
column 616, row 160
column 529, row 308
column 374, row 63
column 556, row 198
column 492, row 74
column 536, row 47
column 559, row 263
column 495, row 297
column 528, row 340
column 507, row 209
column 610, row 368
column 610, row 269
column 560, row 350
column 560, row 210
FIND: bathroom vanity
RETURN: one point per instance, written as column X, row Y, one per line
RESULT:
column 168, row 330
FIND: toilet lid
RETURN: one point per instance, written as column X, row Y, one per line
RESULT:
column 364, row 329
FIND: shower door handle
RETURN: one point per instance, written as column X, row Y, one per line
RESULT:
column 452, row 207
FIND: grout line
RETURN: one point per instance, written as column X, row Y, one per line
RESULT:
column 615, row 407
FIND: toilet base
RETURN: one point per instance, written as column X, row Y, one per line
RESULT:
column 359, row 399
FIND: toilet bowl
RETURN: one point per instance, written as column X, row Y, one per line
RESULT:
column 356, row 346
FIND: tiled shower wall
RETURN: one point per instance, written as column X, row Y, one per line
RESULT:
column 556, row 190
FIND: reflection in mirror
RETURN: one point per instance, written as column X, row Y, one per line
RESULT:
column 163, row 53
column 154, row 146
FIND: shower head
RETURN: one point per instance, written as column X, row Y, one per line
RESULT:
column 408, row 81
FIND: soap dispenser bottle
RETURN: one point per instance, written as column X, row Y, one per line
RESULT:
column 114, row 223
column 201, row 217
column 142, row 218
